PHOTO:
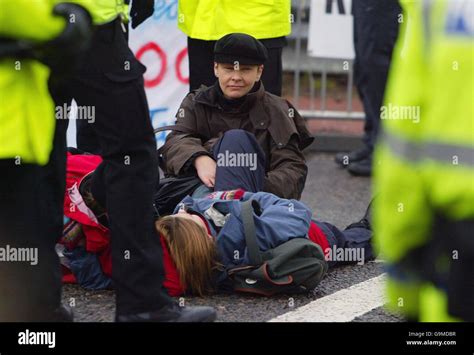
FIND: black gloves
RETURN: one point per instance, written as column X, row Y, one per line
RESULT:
column 73, row 40
column 77, row 34
column 61, row 53
column 140, row 11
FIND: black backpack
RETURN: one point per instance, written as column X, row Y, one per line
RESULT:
column 296, row 266
column 171, row 191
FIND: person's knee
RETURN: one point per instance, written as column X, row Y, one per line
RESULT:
column 237, row 141
column 238, row 135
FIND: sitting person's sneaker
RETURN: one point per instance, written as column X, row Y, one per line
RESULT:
column 172, row 313
column 345, row 159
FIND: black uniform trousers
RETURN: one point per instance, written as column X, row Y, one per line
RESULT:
column 109, row 84
column 30, row 274
column 375, row 33
column 31, row 216
column 201, row 64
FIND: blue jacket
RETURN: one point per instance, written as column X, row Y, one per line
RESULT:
column 280, row 221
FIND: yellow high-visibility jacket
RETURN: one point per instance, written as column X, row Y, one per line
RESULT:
column 26, row 109
column 424, row 162
column 103, row 11
column 212, row 19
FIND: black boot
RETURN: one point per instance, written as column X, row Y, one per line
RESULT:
column 172, row 313
column 85, row 189
column 61, row 314
column 366, row 221
column 345, row 159
column 361, row 168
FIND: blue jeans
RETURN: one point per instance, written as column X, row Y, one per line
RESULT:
column 240, row 163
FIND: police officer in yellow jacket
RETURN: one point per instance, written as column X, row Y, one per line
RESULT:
column 206, row 21
column 109, row 81
column 424, row 216
column 30, row 35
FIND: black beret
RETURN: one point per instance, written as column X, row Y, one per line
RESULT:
column 240, row 47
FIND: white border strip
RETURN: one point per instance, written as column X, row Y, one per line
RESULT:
column 341, row 306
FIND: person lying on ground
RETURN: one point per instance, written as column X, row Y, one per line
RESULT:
column 205, row 237
column 209, row 236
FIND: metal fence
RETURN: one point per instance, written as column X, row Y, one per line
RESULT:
column 297, row 61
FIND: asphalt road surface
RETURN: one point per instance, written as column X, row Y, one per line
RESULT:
column 348, row 294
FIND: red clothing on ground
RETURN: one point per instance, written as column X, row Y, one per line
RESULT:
column 97, row 236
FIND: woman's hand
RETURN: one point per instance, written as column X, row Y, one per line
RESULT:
column 206, row 170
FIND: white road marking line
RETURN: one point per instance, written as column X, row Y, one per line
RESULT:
column 377, row 261
column 341, row 306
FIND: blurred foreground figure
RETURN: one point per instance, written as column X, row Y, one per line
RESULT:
column 34, row 37
column 424, row 218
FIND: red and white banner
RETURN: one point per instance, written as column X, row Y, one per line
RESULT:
column 162, row 48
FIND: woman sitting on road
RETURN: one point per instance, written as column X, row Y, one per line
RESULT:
column 238, row 100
